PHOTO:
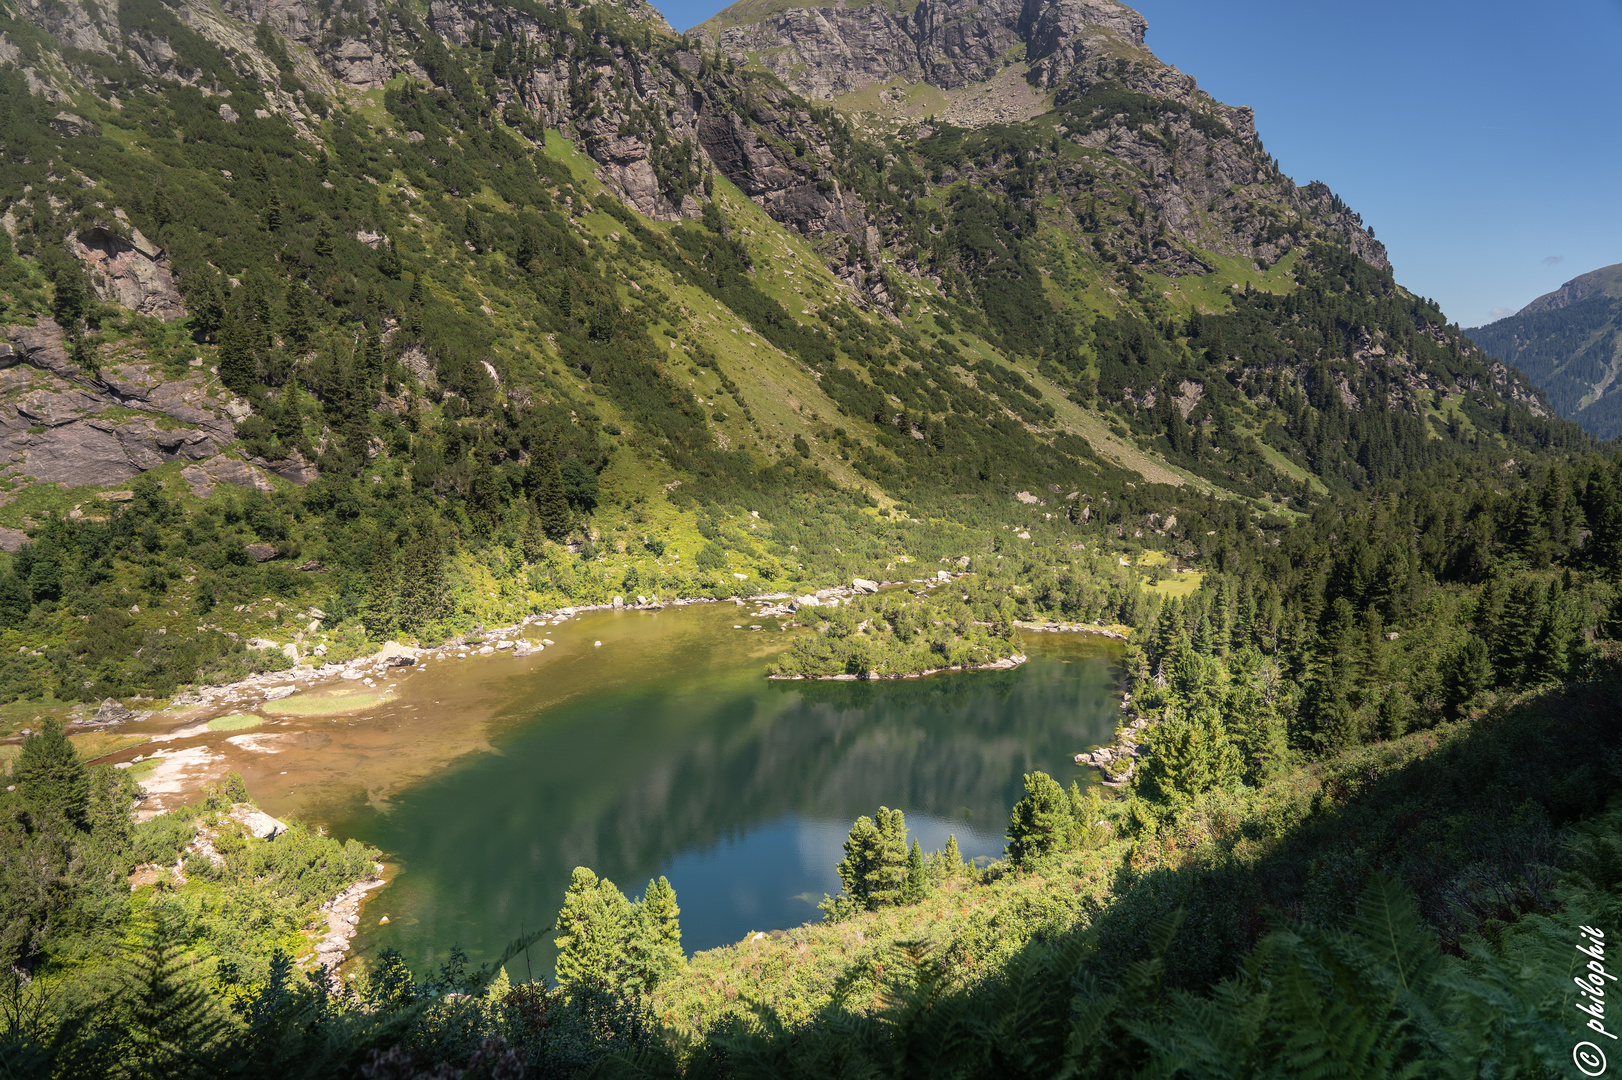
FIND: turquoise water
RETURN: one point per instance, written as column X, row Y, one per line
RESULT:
column 669, row 753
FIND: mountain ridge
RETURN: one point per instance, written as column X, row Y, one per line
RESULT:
column 1569, row 343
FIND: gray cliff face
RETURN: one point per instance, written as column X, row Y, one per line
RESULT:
column 1197, row 179
column 53, row 426
column 824, row 52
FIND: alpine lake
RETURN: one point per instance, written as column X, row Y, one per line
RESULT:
column 644, row 743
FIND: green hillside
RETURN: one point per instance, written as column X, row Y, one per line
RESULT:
column 1566, row 342
column 353, row 324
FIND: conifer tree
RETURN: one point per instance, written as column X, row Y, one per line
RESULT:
column 424, row 593
column 68, row 302
column 51, row 778
column 382, row 593
column 533, row 540
column 1186, row 756
column 297, row 328
column 174, row 1022
column 917, row 877
column 874, row 869
column 238, row 367
column 592, row 931
column 1466, row 672
column 388, row 260
column 551, row 504
column 951, row 856
column 655, row 951
column 1041, row 821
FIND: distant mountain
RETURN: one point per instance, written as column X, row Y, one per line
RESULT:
column 1569, row 342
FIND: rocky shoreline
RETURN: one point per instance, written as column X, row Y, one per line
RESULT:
column 343, row 920
column 1072, row 628
column 1005, row 664
column 1119, row 760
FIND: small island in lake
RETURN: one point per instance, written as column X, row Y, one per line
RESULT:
column 901, row 635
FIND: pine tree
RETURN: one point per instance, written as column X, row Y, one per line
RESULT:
column 533, row 540
column 68, row 302
column 297, row 327
column 1466, row 672
column 874, row 869
column 51, row 778
column 485, row 499
column 655, row 951
column 1551, row 648
column 174, row 1024
column 593, row 928
column 917, row 885
column 551, row 504
column 207, row 309
column 424, row 593
column 382, row 593
column 951, row 856
column 388, row 260
column 1186, row 756
column 238, row 367
column 1041, row 823
column 1515, row 644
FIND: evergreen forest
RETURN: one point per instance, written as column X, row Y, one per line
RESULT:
column 333, row 328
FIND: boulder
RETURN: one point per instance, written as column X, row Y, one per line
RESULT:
column 223, row 470
column 293, row 468
column 259, row 824
column 71, row 125
column 276, row 693
column 12, row 540
column 394, row 654
column 111, row 711
column 261, row 552
column 862, row 585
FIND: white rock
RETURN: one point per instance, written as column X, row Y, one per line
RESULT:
column 276, row 693
column 504, row 644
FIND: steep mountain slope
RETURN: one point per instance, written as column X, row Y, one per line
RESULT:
column 1569, row 342
column 485, row 307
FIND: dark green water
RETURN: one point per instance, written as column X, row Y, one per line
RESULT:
column 675, row 756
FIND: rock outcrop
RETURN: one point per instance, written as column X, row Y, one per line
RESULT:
column 826, row 52
column 131, row 271
column 62, row 424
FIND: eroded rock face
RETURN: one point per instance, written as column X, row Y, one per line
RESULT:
column 825, row 52
column 223, row 470
column 133, row 272
column 60, row 424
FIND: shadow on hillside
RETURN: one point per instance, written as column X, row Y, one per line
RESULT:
column 1467, row 817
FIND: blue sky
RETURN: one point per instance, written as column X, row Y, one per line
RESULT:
column 1482, row 141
